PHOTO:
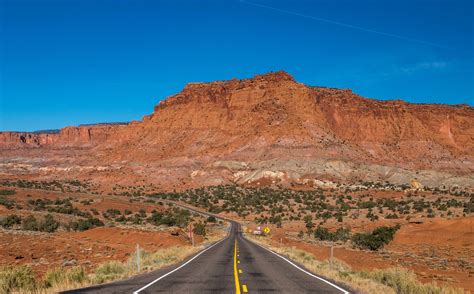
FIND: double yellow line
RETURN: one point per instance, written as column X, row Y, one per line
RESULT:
column 236, row 273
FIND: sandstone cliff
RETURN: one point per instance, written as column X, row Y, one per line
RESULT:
column 273, row 118
column 68, row 136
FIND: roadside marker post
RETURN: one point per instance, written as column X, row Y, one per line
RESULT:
column 191, row 234
column 331, row 257
column 138, row 257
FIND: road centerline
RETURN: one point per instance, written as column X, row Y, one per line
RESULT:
column 236, row 274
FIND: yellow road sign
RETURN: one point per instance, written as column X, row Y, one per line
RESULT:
column 266, row 230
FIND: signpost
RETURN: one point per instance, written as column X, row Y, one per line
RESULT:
column 331, row 257
column 191, row 235
column 138, row 258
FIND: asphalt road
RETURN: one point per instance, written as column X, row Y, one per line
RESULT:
column 232, row 265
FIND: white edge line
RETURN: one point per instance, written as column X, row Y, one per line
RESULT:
column 306, row 272
column 181, row 266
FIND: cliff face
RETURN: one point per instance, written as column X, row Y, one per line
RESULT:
column 66, row 137
column 273, row 113
column 22, row 139
column 273, row 117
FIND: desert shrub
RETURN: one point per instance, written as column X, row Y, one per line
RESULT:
column 269, row 205
column 420, row 205
column 86, row 202
column 323, row 234
column 84, row 224
column 135, row 219
column 342, row 234
column 366, row 241
column 68, row 209
column 39, row 204
column 121, row 219
column 174, row 217
column 212, row 219
column 200, row 229
column 431, row 213
column 469, row 206
column 390, row 204
column 17, row 279
column 63, row 206
column 370, row 215
column 6, row 202
column 386, row 233
column 375, row 239
column 308, row 223
column 10, row 221
column 49, row 224
column 30, row 223
column 111, row 213
column 7, row 192
column 275, row 219
column 182, row 217
column 367, row 204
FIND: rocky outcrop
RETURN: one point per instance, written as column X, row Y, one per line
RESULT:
column 66, row 137
column 273, row 118
column 16, row 139
column 275, row 115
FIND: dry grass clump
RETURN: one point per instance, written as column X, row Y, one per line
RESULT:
column 390, row 280
column 405, row 281
column 337, row 271
column 17, row 277
column 109, row 271
column 21, row 279
column 162, row 258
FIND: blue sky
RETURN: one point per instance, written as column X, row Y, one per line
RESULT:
column 68, row 62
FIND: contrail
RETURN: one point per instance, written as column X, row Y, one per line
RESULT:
column 341, row 24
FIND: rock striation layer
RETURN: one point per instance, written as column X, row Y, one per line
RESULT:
column 272, row 118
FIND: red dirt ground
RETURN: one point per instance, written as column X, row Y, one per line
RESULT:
column 88, row 248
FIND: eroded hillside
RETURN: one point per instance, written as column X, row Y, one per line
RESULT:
column 269, row 128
